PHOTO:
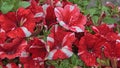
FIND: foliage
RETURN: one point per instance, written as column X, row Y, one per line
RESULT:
column 12, row 5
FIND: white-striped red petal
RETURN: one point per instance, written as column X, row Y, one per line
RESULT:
column 70, row 18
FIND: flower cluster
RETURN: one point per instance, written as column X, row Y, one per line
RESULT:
column 29, row 37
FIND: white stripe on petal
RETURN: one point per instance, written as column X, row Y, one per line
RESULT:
column 2, row 30
column 72, row 8
column 50, row 39
column 119, row 34
column 8, row 65
column 78, row 29
column 26, row 32
column 45, row 6
column 1, row 45
column 117, row 41
column 1, row 53
column 62, row 23
column 38, row 59
column 41, row 63
column 72, row 34
column 35, row 46
column 24, row 54
column 59, row 4
column 56, row 28
column 19, row 65
column 64, row 40
column 56, row 10
column 67, row 51
column 51, row 54
column 80, row 53
column 40, row 14
column 48, row 48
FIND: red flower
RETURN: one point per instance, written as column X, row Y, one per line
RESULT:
column 70, row 18
column 36, row 10
column 7, row 21
column 13, row 65
column 112, row 45
column 38, row 53
column 112, row 49
column 50, row 18
column 102, row 29
column 90, row 49
column 2, row 36
column 28, row 62
column 37, row 49
column 19, row 24
column 12, row 48
column 59, row 43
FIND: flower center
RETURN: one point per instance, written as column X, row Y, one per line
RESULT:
column 22, row 21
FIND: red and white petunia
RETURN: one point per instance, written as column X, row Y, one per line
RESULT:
column 13, row 65
column 2, row 36
column 48, row 7
column 28, row 62
column 7, row 22
column 59, row 43
column 37, row 10
column 70, row 18
column 12, row 48
column 38, row 49
column 50, row 18
column 22, row 23
column 38, row 52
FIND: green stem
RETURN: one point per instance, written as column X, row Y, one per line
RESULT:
column 118, row 28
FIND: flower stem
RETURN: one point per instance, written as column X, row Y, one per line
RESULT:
column 114, row 63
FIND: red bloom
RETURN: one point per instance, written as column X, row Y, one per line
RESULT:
column 28, row 62
column 37, row 49
column 70, row 18
column 90, row 49
column 13, row 65
column 102, row 29
column 112, row 49
column 37, row 11
column 2, row 36
column 12, row 48
column 7, row 21
column 50, row 18
column 24, row 22
column 59, row 43
column 38, row 53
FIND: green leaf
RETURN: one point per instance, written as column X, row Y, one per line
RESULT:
column 104, row 8
column 95, row 19
column 54, row 63
column 24, row 4
column 109, row 20
column 75, row 61
column 85, row 3
column 64, row 64
column 91, row 11
column 6, row 7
